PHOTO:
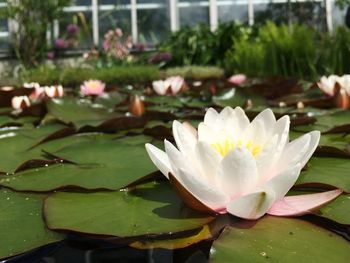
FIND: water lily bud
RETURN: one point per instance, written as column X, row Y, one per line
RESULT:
column 20, row 102
column 248, row 104
column 282, row 104
column 300, row 105
column 342, row 99
column 136, row 106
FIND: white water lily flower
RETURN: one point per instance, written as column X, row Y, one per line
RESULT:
column 240, row 167
column 171, row 85
column 54, row 91
column 20, row 102
column 328, row 84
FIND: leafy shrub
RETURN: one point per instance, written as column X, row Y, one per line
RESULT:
column 277, row 50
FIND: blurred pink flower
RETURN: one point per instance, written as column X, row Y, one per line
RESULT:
column 237, row 79
column 92, row 87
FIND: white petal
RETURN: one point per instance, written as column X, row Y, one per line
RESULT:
column 283, row 182
column 159, row 158
column 209, row 160
column 273, row 148
column 206, row 133
column 210, row 117
column 260, row 129
column 251, row 206
column 185, row 140
column 159, row 87
column 237, row 173
column 206, row 193
column 314, row 140
column 242, row 119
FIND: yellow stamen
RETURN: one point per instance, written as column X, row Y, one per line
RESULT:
column 227, row 145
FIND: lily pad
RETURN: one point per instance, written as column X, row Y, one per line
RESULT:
column 16, row 146
column 273, row 239
column 150, row 209
column 21, row 225
column 337, row 210
column 327, row 170
column 79, row 112
column 101, row 164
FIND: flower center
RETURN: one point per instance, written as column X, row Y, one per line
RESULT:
column 224, row 147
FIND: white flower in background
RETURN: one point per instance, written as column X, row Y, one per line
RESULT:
column 171, row 85
column 244, row 168
column 54, row 91
column 329, row 84
column 31, row 85
column 20, row 102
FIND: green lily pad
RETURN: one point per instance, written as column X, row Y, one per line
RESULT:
column 237, row 97
column 328, row 171
column 79, row 112
column 16, row 146
column 337, row 210
column 21, row 225
column 273, row 239
column 150, row 209
column 334, row 122
column 101, row 164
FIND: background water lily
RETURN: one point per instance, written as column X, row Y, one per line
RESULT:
column 244, row 168
column 20, row 102
column 237, row 79
column 171, row 85
column 329, row 84
column 54, row 91
column 92, row 87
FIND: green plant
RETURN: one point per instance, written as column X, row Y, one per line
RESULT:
column 73, row 77
column 191, row 46
column 336, row 53
column 33, row 18
column 277, row 50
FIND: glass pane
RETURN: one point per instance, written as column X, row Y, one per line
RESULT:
column 192, row 12
column 311, row 13
column 339, row 15
column 113, row 2
column 81, row 2
column 115, row 19
column 153, row 24
column 84, row 21
column 232, row 11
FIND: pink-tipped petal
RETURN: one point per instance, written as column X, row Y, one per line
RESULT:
column 302, row 204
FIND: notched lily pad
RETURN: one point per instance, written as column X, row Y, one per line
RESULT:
column 150, row 209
